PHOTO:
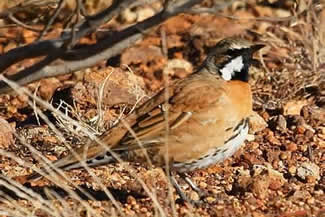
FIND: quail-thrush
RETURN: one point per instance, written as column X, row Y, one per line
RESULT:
column 200, row 121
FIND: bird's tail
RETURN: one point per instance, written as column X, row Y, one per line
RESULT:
column 91, row 157
column 92, row 154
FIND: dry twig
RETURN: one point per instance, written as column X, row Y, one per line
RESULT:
column 87, row 56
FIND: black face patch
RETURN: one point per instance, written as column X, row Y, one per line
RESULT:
column 238, row 72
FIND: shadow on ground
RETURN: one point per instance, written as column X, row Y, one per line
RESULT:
column 98, row 195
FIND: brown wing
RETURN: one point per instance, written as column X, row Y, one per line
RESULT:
column 187, row 100
column 144, row 121
column 149, row 121
column 193, row 97
column 223, row 108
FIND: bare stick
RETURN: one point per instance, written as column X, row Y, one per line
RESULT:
column 89, row 55
column 19, row 23
column 56, row 13
column 45, row 47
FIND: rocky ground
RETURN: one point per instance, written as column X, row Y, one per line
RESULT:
column 279, row 171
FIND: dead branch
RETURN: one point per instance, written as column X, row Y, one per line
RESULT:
column 87, row 56
column 42, row 48
column 55, row 14
column 19, row 23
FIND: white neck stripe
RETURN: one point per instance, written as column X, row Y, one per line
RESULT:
column 235, row 65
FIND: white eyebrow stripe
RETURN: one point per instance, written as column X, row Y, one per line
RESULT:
column 239, row 47
column 235, row 65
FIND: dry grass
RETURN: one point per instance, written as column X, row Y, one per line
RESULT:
column 299, row 72
column 51, row 172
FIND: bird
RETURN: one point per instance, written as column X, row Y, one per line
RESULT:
column 192, row 124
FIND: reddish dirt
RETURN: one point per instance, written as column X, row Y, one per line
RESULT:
column 279, row 171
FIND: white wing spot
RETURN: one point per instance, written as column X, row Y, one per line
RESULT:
column 230, row 68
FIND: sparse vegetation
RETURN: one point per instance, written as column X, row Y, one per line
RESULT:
column 101, row 69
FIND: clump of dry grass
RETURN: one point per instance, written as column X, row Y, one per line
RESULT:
column 71, row 127
column 299, row 72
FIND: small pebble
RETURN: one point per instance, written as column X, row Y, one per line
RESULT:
column 284, row 156
column 194, row 196
column 281, row 123
column 311, row 201
column 203, row 185
column 292, row 146
column 292, row 170
column 300, row 129
column 131, row 200
column 143, row 210
column 210, row 199
column 309, row 134
column 303, row 148
column 307, row 169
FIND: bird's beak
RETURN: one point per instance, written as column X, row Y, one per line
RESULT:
column 257, row 47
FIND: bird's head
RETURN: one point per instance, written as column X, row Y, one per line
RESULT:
column 231, row 58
